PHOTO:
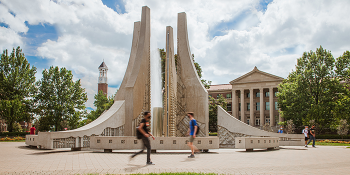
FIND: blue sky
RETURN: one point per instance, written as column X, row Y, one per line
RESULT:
column 228, row 38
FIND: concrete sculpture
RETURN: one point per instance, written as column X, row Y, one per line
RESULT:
column 230, row 127
column 185, row 92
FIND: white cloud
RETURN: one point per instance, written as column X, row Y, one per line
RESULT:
column 90, row 32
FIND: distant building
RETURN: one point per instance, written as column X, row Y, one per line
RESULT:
column 258, row 91
column 102, row 79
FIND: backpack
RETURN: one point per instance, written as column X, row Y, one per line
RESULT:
column 197, row 127
column 138, row 133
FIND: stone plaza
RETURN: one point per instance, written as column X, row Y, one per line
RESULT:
column 17, row 158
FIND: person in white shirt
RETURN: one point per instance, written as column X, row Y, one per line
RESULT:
column 306, row 133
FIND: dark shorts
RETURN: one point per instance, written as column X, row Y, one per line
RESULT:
column 191, row 138
column 306, row 138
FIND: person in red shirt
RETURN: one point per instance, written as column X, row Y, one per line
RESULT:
column 32, row 130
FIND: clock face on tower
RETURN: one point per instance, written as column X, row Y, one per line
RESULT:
column 99, row 80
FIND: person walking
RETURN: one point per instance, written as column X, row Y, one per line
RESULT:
column 32, row 130
column 192, row 130
column 312, row 136
column 306, row 133
column 143, row 129
column 280, row 130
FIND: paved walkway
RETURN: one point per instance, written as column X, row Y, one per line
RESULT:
column 16, row 158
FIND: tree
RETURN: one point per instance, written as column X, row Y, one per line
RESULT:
column 343, row 128
column 102, row 103
column 312, row 91
column 213, row 110
column 17, row 87
column 162, row 54
column 59, row 98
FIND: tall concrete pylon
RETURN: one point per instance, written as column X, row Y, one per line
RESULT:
column 170, row 90
column 137, row 86
column 192, row 95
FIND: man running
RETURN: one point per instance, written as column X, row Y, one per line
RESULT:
column 192, row 130
column 143, row 128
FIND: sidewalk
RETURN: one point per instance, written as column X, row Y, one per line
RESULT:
column 16, row 158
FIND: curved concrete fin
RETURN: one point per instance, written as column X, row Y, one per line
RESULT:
column 236, row 126
column 196, row 96
column 112, row 118
column 135, row 39
column 137, row 88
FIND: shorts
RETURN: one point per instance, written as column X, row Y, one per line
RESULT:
column 191, row 138
column 306, row 138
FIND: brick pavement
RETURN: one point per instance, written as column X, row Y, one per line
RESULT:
column 16, row 158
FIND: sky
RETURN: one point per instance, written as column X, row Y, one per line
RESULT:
column 228, row 38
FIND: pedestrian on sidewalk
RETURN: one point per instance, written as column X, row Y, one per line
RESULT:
column 32, row 130
column 192, row 131
column 312, row 135
column 143, row 133
column 306, row 133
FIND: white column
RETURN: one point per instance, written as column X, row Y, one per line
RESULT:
column 242, row 106
column 272, row 117
column 234, row 104
column 251, row 114
column 262, row 109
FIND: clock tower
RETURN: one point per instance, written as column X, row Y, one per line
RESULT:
column 102, row 79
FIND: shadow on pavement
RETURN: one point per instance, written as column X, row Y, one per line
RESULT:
column 133, row 167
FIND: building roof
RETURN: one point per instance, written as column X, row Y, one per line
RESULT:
column 220, row 87
column 103, row 65
column 256, row 70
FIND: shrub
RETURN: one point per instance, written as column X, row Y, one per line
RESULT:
column 12, row 134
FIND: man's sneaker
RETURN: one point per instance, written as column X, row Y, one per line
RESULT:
column 306, row 146
column 191, row 156
column 314, row 146
column 150, row 163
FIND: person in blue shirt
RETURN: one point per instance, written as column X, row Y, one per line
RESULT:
column 192, row 130
column 280, row 130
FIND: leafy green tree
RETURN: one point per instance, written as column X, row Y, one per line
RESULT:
column 59, row 98
column 162, row 53
column 17, row 87
column 213, row 110
column 312, row 91
column 102, row 103
column 343, row 66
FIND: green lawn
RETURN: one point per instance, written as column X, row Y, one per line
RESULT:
column 330, row 144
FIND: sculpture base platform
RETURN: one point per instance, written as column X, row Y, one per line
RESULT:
column 160, row 143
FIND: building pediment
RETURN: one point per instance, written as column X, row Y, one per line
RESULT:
column 256, row 76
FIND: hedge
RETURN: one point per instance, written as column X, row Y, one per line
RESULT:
column 12, row 134
column 332, row 136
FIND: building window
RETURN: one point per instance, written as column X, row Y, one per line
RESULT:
column 248, row 95
column 267, row 94
column 248, row 121
column 267, row 121
column 228, row 95
column 229, row 107
column 258, row 106
column 239, row 117
column 257, row 94
column 267, row 105
column 239, row 107
column 276, row 105
column 276, row 94
column 257, row 122
column 248, row 106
